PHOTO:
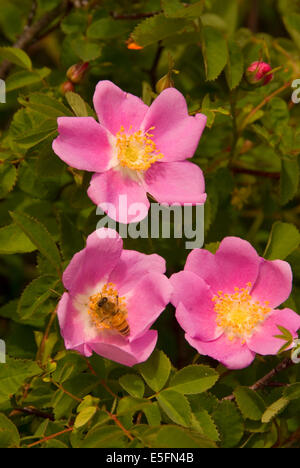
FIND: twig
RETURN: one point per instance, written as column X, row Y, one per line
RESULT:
column 263, row 102
column 30, row 410
column 118, row 423
column 133, row 16
column 264, row 381
column 153, row 71
column 244, row 170
column 32, row 31
column 41, row 349
column 53, row 436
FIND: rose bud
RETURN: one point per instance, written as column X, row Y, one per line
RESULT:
column 76, row 72
column 66, row 87
column 259, row 73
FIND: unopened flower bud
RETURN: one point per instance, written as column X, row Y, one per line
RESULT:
column 164, row 83
column 259, row 73
column 76, row 72
column 66, row 87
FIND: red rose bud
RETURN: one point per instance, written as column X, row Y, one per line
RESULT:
column 259, row 73
column 66, row 87
column 76, row 72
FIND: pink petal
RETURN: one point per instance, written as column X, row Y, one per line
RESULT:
column 263, row 341
column 274, row 282
column 94, row 262
column 231, row 354
column 146, row 302
column 121, row 197
column 194, row 306
column 176, row 134
column 83, row 143
column 72, row 326
column 115, row 108
column 235, row 264
column 128, row 353
column 132, row 266
column 176, row 182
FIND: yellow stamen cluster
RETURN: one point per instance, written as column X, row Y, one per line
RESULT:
column 137, row 151
column 238, row 314
column 116, row 304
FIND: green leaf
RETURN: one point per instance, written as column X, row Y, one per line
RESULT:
column 34, row 297
column 250, row 403
column 16, row 56
column 156, row 370
column 104, row 437
column 289, row 180
column 235, row 67
column 292, row 24
column 130, row 405
column 152, row 413
column 292, row 392
column 85, row 416
column 154, row 29
column 46, row 105
column 108, row 28
column 86, row 50
column 8, row 177
column 229, row 423
column 13, row 240
column 176, row 406
column 194, row 379
column 176, row 9
column 283, row 240
column 40, row 237
column 77, row 104
column 202, row 422
column 25, row 78
column 37, row 135
column 75, row 22
column 170, row 436
column 133, row 384
column 9, row 434
column 13, row 374
column 274, row 409
column 215, row 52
column 71, row 240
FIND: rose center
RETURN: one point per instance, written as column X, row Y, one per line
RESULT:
column 238, row 314
column 107, row 309
column 137, row 151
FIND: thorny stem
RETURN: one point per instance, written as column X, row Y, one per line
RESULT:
column 266, row 379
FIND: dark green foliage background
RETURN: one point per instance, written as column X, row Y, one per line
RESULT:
column 250, row 156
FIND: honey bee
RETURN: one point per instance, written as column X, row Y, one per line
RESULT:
column 112, row 315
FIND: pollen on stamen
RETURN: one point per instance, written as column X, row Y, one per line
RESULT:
column 137, row 150
column 238, row 314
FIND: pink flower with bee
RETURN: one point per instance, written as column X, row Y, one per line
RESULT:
column 227, row 303
column 113, row 297
column 135, row 149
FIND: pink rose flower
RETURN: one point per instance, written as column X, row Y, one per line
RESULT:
column 114, row 296
column 135, row 150
column 226, row 302
column 259, row 71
